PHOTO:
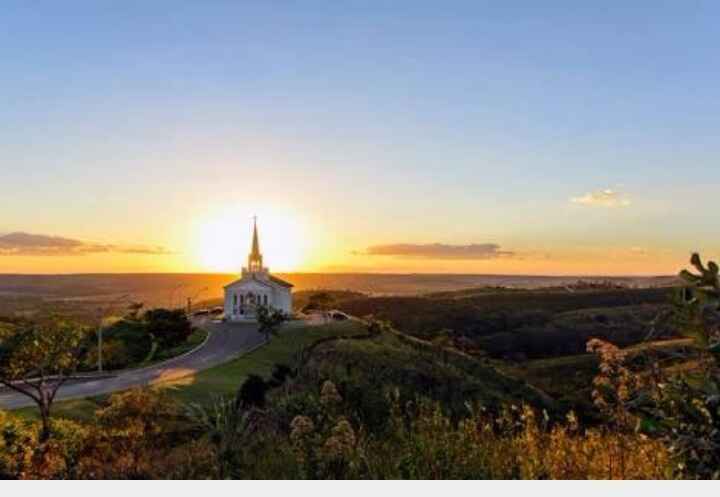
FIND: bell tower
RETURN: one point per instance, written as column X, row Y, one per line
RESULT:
column 255, row 259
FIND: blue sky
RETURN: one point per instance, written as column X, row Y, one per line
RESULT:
column 373, row 122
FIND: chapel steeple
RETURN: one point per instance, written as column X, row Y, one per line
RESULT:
column 255, row 259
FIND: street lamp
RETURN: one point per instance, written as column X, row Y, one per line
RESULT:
column 172, row 294
column 190, row 299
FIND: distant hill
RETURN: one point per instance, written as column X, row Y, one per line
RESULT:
column 162, row 288
column 536, row 323
column 86, row 296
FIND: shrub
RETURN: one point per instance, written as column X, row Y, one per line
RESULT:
column 115, row 355
column 133, row 335
column 23, row 456
column 169, row 327
column 252, row 392
column 132, row 433
column 425, row 443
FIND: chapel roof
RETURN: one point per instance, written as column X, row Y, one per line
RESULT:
column 277, row 280
column 267, row 280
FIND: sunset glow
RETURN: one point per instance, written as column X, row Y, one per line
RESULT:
column 439, row 147
column 223, row 240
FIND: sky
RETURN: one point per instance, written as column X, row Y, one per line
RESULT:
column 555, row 137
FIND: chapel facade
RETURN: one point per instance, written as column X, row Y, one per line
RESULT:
column 256, row 287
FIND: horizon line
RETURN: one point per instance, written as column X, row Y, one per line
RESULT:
column 373, row 273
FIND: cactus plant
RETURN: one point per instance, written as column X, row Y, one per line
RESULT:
column 684, row 409
column 705, row 286
column 702, row 295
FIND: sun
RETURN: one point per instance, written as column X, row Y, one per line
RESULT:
column 223, row 239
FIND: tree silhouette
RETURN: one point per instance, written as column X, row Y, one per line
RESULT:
column 36, row 359
column 269, row 320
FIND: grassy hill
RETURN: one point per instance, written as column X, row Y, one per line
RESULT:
column 376, row 367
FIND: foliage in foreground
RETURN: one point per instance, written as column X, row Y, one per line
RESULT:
column 139, row 435
column 423, row 442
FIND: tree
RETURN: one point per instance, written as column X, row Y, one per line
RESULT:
column 269, row 320
column 376, row 327
column 137, row 342
column 280, row 374
column 133, row 310
column 168, row 327
column 321, row 301
column 38, row 358
column 444, row 340
column 252, row 392
column 130, row 436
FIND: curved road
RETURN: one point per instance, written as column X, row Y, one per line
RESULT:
column 225, row 342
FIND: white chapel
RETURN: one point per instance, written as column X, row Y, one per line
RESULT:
column 256, row 287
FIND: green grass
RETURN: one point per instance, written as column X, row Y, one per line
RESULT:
column 225, row 379
column 77, row 409
column 387, row 362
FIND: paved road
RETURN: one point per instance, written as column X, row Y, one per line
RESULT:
column 226, row 341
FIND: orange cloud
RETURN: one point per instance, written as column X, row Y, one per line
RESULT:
column 26, row 244
column 473, row 251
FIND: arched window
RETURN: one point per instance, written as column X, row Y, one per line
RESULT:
column 265, row 299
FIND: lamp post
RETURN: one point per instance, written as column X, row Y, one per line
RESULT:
column 102, row 326
column 100, row 330
column 190, row 299
column 172, row 294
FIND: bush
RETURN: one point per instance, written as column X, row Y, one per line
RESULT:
column 169, row 327
column 252, row 392
column 133, row 335
column 115, row 355
column 133, row 432
column 280, row 374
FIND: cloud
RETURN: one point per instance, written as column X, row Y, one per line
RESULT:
column 27, row 244
column 473, row 251
column 143, row 250
column 602, row 198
